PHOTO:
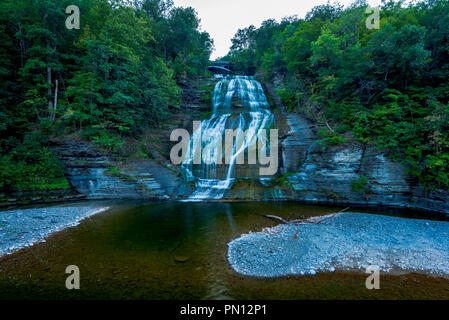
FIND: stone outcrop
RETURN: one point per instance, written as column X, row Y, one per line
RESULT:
column 194, row 94
column 295, row 146
column 351, row 173
column 99, row 176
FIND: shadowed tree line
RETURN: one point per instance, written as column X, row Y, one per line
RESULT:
column 115, row 76
column 387, row 87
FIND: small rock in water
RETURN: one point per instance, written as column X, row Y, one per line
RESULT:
column 181, row 259
column 312, row 272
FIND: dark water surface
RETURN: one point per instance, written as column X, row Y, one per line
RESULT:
column 178, row 251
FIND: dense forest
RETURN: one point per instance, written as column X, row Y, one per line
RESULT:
column 386, row 86
column 120, row 73
column 113, row 77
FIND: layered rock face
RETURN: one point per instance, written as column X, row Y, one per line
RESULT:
column 296, row 145
column 95, row 174
column 346, row 174
column 349, row 174
column 90, row 173
column 193, row 94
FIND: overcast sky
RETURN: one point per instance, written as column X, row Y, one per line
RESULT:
column 222, row 18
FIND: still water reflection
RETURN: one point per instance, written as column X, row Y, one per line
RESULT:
column 178, row 251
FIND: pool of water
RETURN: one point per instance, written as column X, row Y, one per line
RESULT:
column 178, row 251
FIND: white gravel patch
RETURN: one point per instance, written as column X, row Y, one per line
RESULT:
column 24, row 228
column 350, row 241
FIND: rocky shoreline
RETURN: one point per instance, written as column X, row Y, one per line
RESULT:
column 26, row 227
column 348, row 241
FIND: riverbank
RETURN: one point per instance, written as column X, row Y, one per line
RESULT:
column 174, row 250
column 25, row 227
column 345, row 242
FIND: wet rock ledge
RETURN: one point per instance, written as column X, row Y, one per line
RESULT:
column 99, row 176
column 350, row 173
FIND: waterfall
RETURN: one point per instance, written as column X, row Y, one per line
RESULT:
column 239, row 102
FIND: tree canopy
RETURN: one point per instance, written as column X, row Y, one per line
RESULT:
column 116, row 75
column 387, row 86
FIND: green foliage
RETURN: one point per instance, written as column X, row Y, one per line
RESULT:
column 287, row 97
column 207, row 94
column 387, row 86
column 330, row 138
column 117, row 76
column 361, row 186
column 284, row 179
column 110, row 142
column 205, row 115
column 30, row 166
column 115, row 171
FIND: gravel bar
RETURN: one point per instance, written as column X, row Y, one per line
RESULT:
column 350, row 241
column 23, row 228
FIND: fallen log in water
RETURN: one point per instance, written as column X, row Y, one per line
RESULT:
column 312, row 220
column 277, row 218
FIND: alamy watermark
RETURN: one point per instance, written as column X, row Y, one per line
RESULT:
column 373, row 281
column 72, row 21
column 73, row 281
column 373, row 20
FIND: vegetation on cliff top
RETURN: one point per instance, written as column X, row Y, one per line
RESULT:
column 388, row 86
column 114, row 77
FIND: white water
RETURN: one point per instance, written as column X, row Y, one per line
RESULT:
column 238, row 103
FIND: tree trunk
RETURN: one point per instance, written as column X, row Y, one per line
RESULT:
column 55, row 101
column 22, row 45
column 50, row 104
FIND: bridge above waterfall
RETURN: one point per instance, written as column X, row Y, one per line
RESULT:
column 221, row 67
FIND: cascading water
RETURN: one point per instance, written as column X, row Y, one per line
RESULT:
column 239, row 102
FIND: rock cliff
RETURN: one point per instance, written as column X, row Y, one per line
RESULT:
column 350, row 173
